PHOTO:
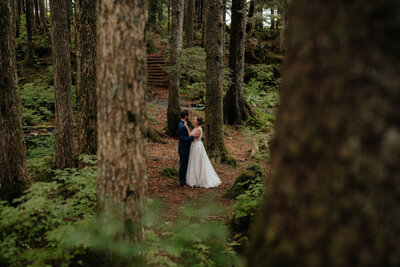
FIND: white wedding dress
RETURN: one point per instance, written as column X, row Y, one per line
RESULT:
column 200, row 172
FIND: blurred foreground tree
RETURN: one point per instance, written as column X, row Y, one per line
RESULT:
column 334, row 190
column 121, row 89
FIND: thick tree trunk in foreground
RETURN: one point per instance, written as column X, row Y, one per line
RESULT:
column 121, row 90
column 174, row 109
column 29, row 25
column 86, row 76
column 236, row 108
column 333, row 194
column 189, row 28
column 214, row 72
column 62, row 84
column 12, row 152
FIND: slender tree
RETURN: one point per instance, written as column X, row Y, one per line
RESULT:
column 43, row 19
column 203, row 23
column 29, row 26
column 37, row 19
column 236, row 108
column 86, row 76
column 62, row 84
column 121, row 90
column 333, row 195
column 17, row 9
column 153, row 10
column 190, row 23
column 174, row 109
column 169, row 15
column 214, row 74
column 12, row 152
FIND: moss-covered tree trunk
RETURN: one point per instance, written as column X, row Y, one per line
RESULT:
column 236, row 108
column 174, row 109
column 190, row 22
column 86, row 76
column 62, row 84
column 121, row 91
column 29, row 27
column 333, row 194
column 12, row 147
column 214, row 125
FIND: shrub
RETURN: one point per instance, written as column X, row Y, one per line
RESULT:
column 169, row 172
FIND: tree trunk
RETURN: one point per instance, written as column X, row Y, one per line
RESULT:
column 86, row 76
column 273, row 23
column 153, row 12
column 43, row 19
column 282, row 28
column 189, row 28
column 236, row 108
column 29, row 25
column 121, row 83
column 17, row 9
column 250, row 23
column 214, row 73
column 62, row 84
column 333, row 195
column 169, row 15
column 203, row 23
column 12, row 153
column 37, row 20
column 174, row 109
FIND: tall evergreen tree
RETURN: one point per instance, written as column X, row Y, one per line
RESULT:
column 174, row 109
column 62, row 84
column 214, row 87
column 190, row 22
column 332, row 197
column 43, row 19
column 86, row 76
column 12, row 152
column 121, row 90
column 236, row 108
column 29, row 29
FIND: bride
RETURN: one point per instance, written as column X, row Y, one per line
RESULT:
column 200, row 172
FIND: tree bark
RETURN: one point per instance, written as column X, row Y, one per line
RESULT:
column 250, row 23
column 282, row 28
column 121, row 90
column 37, row 19
column 169, row 15
column 43, row 19
column 86, row 76
column 236, row 108
column 214, row 73
column 13, row 154
column 174, row 109
column 332, row 198
column 203, row 23
column 29, row 25
column 17, row 9
column 153, row 12
column 62, row 84
column 190, row 23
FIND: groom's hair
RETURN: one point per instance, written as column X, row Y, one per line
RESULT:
column 184, row 113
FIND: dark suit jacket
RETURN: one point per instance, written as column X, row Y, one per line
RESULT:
column 184, row 140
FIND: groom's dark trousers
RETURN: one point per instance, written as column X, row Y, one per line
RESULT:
column 183, row 150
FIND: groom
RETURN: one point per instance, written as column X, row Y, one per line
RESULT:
column 184, row 146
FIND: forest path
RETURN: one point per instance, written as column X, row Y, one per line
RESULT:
column 160, row 156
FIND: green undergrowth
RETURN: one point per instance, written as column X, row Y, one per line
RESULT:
column 169, row 172
column 55, row 224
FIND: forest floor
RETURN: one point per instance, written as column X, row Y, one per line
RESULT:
column 160, row 156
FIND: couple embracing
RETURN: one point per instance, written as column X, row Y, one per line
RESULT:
column 195, row 168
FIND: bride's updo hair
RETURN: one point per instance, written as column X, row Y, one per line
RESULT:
column 200, row 121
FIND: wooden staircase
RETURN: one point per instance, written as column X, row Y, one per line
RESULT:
column 157, row 77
